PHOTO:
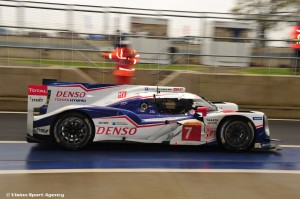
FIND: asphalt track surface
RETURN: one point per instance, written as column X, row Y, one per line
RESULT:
column 146, row 171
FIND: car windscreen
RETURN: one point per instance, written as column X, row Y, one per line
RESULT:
column 181, row 106
column 202, row 102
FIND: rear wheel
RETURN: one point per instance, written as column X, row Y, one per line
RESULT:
column 236, row 134
column 73, row 131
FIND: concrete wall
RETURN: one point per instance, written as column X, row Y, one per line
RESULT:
column 278, row 96
column 142, row 77
column 14, row 80
column 243, row 89
column 66, row 55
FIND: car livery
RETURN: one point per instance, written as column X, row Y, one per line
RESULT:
column 76, row 114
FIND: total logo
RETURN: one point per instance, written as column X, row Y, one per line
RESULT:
column 39, row 90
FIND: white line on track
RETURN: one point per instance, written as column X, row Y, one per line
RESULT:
column 288, row 120
column 13, row 142
column 135, row 170
column 9, row 112
column 290, row 146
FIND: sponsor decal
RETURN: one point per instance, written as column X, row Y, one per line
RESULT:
column 165, row 89
column 70, row 96
column 122, row 94
column 191, row 133
column 178, row 89
column 38, row 99
column 194, row 123
column 257, row 118
column 112, row 130
column 212, row 121
column 151, row 89
column 152, row 112
column 144, row 106
column 39, row 90
column 210, row 133
column 102, row 122
column 120, row 123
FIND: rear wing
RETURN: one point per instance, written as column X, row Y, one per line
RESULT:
column 37, row 97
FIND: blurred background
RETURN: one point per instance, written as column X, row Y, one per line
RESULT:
column 246, row 37
column 238, row 51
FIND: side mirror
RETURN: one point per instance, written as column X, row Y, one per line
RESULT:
column 202, row 110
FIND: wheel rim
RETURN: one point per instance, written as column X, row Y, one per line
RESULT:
column 72, row 131
column 237, row 134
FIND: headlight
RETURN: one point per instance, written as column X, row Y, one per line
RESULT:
column 266, row 125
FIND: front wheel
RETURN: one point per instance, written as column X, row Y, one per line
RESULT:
column 236, row 134
column 73, row 131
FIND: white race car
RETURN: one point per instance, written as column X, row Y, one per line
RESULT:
column 76, row 114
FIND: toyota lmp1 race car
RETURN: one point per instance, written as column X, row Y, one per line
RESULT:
column 75, row 114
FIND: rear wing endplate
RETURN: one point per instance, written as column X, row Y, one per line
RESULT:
column 37, row 97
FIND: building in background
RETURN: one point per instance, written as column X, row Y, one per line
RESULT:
column 150, row 38
column 149, row 26
column 225, row 41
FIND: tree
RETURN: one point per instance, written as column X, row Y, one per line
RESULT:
column 267, row 13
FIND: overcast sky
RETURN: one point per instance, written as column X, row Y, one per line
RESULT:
column 184, row 5
column 98, row 23
column 108, row 24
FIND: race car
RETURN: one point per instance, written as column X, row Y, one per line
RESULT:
column 74, row 115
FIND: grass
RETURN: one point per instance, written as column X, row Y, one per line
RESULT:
column 64, row 63
column 268, row 71
column 249, row 70
column 108, row 64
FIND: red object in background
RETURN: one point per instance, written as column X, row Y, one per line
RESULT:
column 126, row 58
column 296, row 37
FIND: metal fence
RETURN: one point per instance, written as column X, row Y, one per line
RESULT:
column 34, row 33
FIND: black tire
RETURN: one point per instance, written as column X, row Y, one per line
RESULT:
column 73, row 131
column 236, row 134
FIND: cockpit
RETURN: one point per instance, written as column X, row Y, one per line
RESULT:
column 173, row 105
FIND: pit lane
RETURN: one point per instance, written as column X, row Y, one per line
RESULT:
column 151, row 171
